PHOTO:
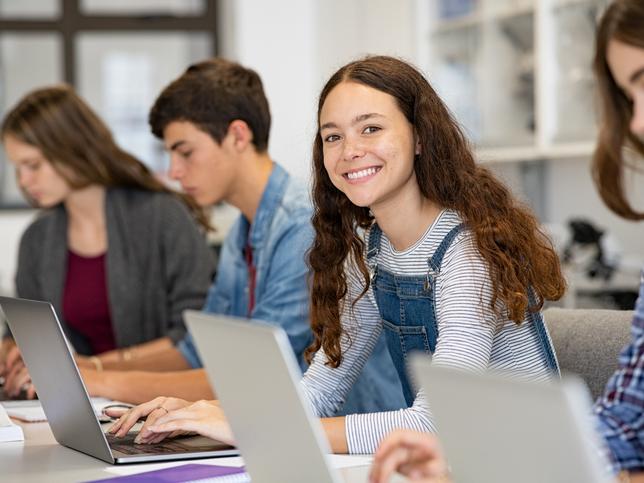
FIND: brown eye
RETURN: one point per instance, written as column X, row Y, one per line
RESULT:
column 331, row 138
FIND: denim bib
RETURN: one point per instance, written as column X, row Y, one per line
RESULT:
column 408, row 309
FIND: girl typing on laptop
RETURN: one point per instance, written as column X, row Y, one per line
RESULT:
column 116, row 252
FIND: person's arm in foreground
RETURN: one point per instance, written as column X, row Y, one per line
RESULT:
column 155, row 355
column 137, row 387
column 418, row 456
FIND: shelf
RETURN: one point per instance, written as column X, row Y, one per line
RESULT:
column 570, row 150
column 514, row 72
column 476, row 19
column 511, row 13
column 561, row 4
column 462, row 22
column 507, row 154
column 530, row 153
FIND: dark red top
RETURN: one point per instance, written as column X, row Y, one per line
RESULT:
column 252, row 277
column 85, row 301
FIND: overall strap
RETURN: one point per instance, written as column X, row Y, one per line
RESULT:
column 372, row 250
column 375, row 234
column 437, row 259
column 542, row 333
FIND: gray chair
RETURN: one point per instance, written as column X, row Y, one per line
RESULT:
column 588, row 342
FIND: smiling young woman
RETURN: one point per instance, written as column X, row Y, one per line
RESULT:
column 416, row 240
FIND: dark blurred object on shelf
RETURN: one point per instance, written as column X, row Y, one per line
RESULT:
column 587, row 236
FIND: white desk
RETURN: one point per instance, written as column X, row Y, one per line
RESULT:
column 40, row 459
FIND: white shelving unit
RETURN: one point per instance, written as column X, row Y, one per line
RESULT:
column 515, row 73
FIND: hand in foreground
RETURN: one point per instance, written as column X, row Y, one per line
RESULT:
column 203, row 417
column 5, row 347
column 418, row 456
column 150, row 411
column 17, row 378
column 84, row 362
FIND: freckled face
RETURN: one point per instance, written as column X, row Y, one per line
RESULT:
column 368, row 145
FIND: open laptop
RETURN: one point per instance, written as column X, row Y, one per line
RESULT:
column 64, row 398
column 500, row 430
column 253, row 370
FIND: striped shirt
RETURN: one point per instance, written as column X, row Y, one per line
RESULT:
column 470, row 335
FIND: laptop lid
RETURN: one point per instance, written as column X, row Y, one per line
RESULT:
column 501, row 430
column 255, row 375
column 64, row 399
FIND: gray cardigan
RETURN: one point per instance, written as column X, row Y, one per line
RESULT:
column 157, row 264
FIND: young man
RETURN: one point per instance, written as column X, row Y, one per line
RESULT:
column 215, row 120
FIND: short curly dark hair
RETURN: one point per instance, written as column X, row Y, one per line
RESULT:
column 211, row 94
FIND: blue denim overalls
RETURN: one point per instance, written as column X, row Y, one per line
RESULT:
column 407, row 309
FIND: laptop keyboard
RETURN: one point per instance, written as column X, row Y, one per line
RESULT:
column 126, row 445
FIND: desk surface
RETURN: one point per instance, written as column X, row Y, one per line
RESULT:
column 39, row 458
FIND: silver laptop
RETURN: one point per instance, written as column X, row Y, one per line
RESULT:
column 255, row 375
column 500, row 430
column 64, row 399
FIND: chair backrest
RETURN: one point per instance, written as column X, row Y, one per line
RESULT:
column 588, row 342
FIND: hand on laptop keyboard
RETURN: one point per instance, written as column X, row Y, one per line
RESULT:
column 16, row 379
column 149, row 411
column 169, row 417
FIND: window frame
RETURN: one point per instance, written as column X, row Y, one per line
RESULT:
column 72, row 22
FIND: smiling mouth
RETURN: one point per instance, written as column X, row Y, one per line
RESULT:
column 363, row 173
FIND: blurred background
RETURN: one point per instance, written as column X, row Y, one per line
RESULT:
column 515, row 73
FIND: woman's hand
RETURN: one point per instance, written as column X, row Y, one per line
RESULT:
column 17, row 378
column 203, row 417
column 150, row 411
column 7, row 344
column 84, row 362
column 418, row 456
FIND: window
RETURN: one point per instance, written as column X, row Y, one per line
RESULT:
column 118, row 54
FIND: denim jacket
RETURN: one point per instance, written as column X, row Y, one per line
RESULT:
column 279, row 238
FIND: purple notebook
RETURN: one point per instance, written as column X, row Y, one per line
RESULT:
column 183, row 473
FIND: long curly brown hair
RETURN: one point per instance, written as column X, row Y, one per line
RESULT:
column 622, row 21
column 519, row 255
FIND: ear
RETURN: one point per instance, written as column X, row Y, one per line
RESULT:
column 240, row 134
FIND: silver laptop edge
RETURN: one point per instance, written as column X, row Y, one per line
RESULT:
column 65, row 400
column 500, row 430
column 253, row 370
